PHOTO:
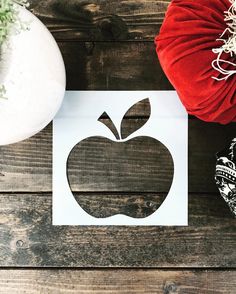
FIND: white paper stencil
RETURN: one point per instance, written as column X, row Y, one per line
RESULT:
column 78, row 120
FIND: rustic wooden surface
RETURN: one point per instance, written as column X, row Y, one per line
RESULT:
column 27, row 237
column 108, row 45
column 101, row 20
column 117, row 281
column 27, row 166
column 113, row 66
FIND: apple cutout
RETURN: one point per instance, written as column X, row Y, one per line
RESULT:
column 120, row 172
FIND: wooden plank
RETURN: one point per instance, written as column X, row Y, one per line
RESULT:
column 127, row 166
column 101, row 20
column 117, row 281
column 27, row 166
column 113, row 66
column 27, row 238
column 137, row 205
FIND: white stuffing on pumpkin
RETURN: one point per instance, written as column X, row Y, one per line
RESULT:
column 228, row 37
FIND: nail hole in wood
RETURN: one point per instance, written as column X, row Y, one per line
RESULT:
column 19, row 243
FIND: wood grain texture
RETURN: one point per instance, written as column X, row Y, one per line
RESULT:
column 127, row 166
column 136, row 205
column 100, row 20
column 117, row 281
column 113, row 66
column 27, row 166
column 27, row 238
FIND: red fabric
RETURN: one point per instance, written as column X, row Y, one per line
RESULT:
column 184, row 48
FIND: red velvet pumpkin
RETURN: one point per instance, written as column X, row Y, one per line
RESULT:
column 184, row 47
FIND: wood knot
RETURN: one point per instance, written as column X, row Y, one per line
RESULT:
column 113, row 28
column 170, row 288
column 19, row 243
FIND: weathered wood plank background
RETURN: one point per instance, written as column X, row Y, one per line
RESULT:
column 27, row 166
column 113, row 66
column 108, row 45
column 101, row 20
column 28, row 238
column 119, row 281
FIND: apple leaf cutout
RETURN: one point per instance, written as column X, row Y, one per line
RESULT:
column 106, row 120
column 128, row 127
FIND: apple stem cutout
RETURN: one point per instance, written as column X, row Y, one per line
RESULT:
column 126, row 129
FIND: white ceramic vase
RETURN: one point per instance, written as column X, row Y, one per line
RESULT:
column 33, row 73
